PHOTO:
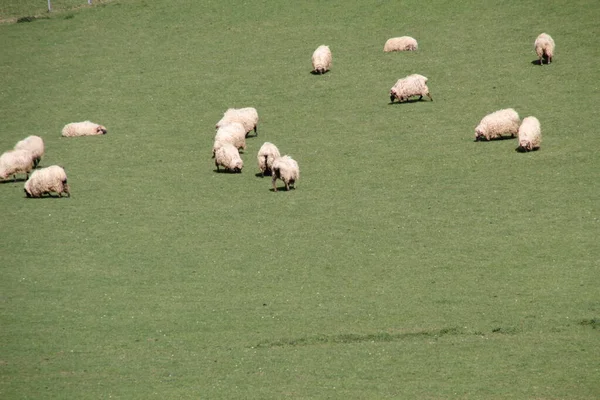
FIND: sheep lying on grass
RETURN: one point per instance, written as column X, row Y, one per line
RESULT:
column 15, row 162
column 530, row 134
column 229, row 158
column 403, row 43
column 266, row 155
column 544, row 48
column 412, row 85
column 500, row 122
column 321, row 60
column 47, row 180
column 286, row 169
column 35, row 145
column 85, row 128
column 233, row 133
column 247, row 116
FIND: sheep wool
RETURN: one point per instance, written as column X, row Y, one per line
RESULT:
column 35, row 145
column 500, row 122
column 412, row 85
column 47, row 180
column 530, row 134
column 15, row 162
column 544, row 48
column 286, row 169
column 85, row 128
column 233, row 133
column 229, row 158
column 321, row 59
column 403, row 43
column 247, row 116
column 266, row 155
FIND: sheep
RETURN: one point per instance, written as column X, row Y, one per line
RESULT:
column 35, row 145
column 286, row 169
column 15, row 162
column 85, row 128
column 233, row 133
column 409, row 86
column 46, row 180
column 228, row 157
column 493, row 125
column 321, row 60
column 530, row 134
column 266, row 155
column 403, row 43
column 544, row 48
column 247, row 116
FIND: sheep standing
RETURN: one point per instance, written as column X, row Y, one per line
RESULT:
column 266, row 155
column 530, row 134
column 544, row 48
column 15, row 162
column 35, row 145
column 286, row 169
column 247, row 116
column 47, row 180
column 412, row 85
column 233, row 133
column 85, row 128
column 229, row 158
column 321, row 59
column 500, row 122
column 403, row 43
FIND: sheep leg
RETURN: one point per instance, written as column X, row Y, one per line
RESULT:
column 287, row 186
column 273, row 182
column 217, row 165
column 255, row 131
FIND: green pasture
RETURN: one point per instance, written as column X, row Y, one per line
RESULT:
column 410, row 263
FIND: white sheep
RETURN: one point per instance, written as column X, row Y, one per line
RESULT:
column 286, row 169
column 247, row 116
column 412, row 85
column 15, row 162
column 500, row 122
column 403, row 43
column 321, row 60
column 266, row 155
column 530, row 134
column 233, row 133
column 85, row 128
column 229, row 158
column 47, row 180
column 35, row 145
column 544, row 48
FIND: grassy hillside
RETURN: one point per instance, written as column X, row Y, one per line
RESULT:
column 411, row 262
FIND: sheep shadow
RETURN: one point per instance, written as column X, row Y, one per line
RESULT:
column 14, row 181
column 248, row 135
column 497, row 139
column 225, row 171
column 48, row 196
column 259, row 175
column 537, row 62
column 318, row 73
column 522, row 150
column 282, row 189
column 409, row 101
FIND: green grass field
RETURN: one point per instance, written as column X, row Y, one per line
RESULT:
column 411, row 262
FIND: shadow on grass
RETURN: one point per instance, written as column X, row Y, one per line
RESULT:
column 497, row 139
column 14, row 181
column 409, row 101
column 49, row 196
column 537, row 62
column 282, row 189
column 522, row 150
column 318, row 73
column 267, row 174
column 226, row 171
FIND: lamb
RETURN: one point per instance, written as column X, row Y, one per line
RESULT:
column 15, row 162
column 266, row 155
column 530, row 134
column 46, row 180
column 286, row 169
column 35, row 145
column 247, row 116
column 403, row 43
column 229, row 158
column 493, row 125
column 409, row 86
column 85, row 128
column 233, row 133
column 321, row 60
column 544, row 48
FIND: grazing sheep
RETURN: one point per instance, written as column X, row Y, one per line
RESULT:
column 85, row 128
column 266, row 155
column 15, row 162
column 403, row 43
column 530, row 134
column 321, row 59
column 500, row 122
column 247, row 116
column 286, row 169
column 229, row 158
column 47, row 180
column 544, row 48
column 412, row 85
column 35, row 145
column 233, row 133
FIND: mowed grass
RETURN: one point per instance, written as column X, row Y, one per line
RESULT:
column 410, row 262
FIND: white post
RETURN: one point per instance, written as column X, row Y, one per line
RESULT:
column 49, row 6
column 90, row 2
